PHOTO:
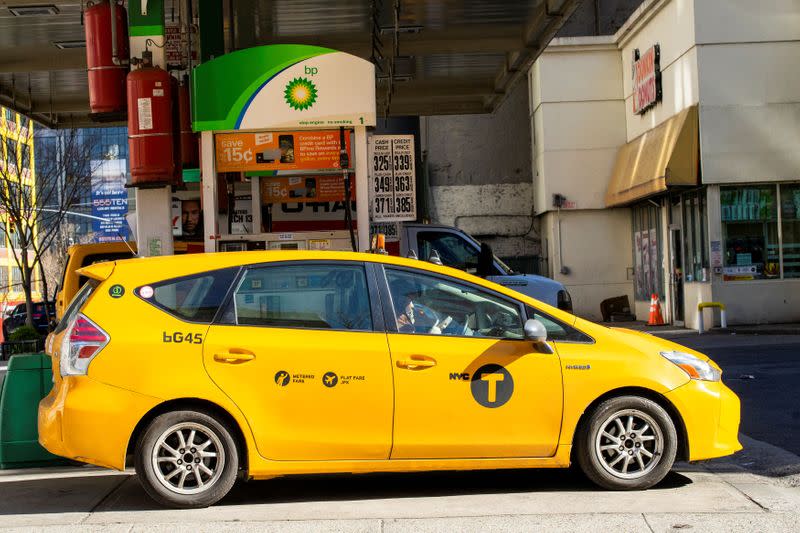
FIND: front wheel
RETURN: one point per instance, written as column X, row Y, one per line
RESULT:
column 186, row 459
column 628, row 443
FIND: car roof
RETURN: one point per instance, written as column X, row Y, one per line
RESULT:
column 154, row 269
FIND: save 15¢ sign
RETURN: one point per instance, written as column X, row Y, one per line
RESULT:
column 392, row 191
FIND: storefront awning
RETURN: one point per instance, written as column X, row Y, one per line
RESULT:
column 665, row 156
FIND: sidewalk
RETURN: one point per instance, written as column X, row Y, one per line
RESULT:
column 756, row 490
column 669, row 329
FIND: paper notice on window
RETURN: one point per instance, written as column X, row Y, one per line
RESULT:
column 145, row 113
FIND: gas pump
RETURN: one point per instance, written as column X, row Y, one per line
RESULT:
column 288, row 122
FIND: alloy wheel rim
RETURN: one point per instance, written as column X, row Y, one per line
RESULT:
column 629, row 444
column 188, row 458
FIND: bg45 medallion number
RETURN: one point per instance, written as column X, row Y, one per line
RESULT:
column 191, row 338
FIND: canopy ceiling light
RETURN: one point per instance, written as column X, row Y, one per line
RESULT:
column 64, row 45
column 32, row 11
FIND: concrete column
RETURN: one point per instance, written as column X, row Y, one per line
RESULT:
column 153, row 206
column 208, row 175
column 362, row 188
column 154, row 221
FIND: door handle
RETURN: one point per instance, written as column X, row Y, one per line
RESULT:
column 234, row 357
column 417, row 362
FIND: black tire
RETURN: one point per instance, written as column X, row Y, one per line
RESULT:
column 598, row 453
column 195, row 493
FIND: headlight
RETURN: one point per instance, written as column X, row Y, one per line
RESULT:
column 695, row 367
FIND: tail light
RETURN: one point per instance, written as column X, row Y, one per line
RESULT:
column 83, row 340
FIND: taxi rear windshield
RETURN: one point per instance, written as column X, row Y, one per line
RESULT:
column 194, row 298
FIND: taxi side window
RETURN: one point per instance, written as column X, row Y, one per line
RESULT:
column 557, row 330
column 194, row 298
column 426, row 304
column 319, row 296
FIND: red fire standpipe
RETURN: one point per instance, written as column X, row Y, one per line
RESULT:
column 190, row 157
column 150, row 134
column 106, row 79
column 177, row 174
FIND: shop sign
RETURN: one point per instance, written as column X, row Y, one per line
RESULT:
column 392, row 178
column 283, row 86
column 304, row 189
column 109, row 200
column 278, row 151
column 646, row 69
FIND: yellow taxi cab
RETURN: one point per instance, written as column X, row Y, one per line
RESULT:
column 200, row 370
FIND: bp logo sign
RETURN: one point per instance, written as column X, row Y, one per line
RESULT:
column 492, row 386
column 300, row 93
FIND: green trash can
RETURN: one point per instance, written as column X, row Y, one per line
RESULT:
column 28, row 379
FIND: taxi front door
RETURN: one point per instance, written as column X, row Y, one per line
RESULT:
column 303, row 360
column 467, row 396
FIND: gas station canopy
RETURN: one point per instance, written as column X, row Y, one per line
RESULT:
column 431, row 57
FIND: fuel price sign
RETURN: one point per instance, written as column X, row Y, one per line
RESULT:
column 392, row 178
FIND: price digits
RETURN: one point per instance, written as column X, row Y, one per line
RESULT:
column 235, row 154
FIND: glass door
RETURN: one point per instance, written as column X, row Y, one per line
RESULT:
column 676, row 275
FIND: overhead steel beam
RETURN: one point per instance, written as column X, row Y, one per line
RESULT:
column 539, row 31
column 442, row 87
column 34, row 59
column 6, row 3
column 429, row 108
column 498, row 38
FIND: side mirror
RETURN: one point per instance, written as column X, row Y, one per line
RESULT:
column 485, row 261
column 536, row 332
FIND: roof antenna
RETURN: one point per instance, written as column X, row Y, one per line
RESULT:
column 435, row 259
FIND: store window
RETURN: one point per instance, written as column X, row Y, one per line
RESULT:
column 695, row 236
column 647, row 251
column 790, row 230
column 25, row 157
column 750, row 232
column 11, row 152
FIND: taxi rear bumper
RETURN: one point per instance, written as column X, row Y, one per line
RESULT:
column 711, row 414
column 88, row 421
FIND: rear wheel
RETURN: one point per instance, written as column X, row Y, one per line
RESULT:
column 628, row 443
column 187, row 459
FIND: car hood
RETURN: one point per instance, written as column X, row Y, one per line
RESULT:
column 539, row 287
column 646, row 342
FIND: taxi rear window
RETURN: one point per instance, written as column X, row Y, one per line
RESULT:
column 194, row 298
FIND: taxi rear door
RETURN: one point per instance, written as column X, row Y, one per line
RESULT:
column 302, row 351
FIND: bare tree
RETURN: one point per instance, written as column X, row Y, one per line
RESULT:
column 35, row 204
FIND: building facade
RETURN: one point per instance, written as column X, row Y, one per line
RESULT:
column 17, row 168
column 666, row 160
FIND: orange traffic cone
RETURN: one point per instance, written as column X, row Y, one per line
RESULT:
column 656, row 319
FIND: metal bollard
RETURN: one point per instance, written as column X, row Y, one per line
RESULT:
column 723, row 319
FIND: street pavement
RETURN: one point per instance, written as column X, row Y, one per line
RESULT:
column 764, row 370
column 755, row 490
